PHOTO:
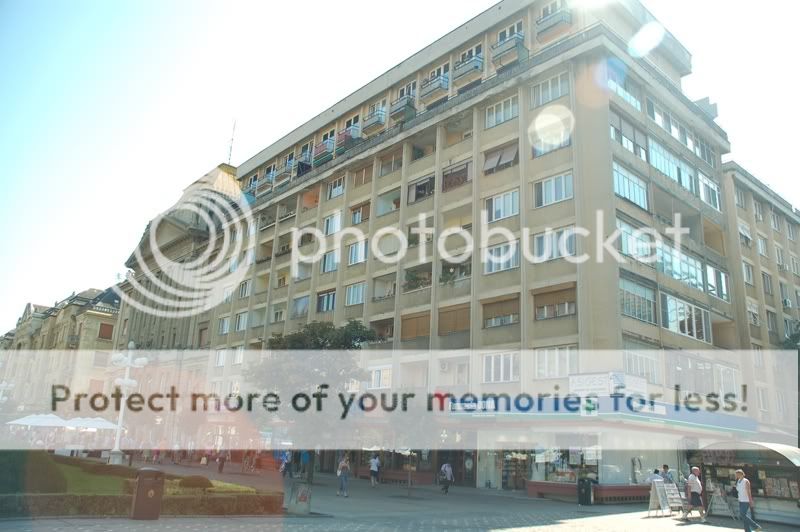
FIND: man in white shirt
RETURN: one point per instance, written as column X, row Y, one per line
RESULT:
column 374, row 466
column 694, row 490
column 652, row 476
column 745, row 496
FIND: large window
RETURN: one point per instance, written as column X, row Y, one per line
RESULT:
column 454, row 319
column 684, row 318
column 554, row 244
column 637, row 300
column 330, row 261
column 326, row 301
column 550, row 89
column 631, row 138
column 503, row 205
column 642, row 360
column 502, row 257
column 678, row 265
column 680, row 132
column 717, row 283
column 620, row 83
column 629, row 186
column 556, row 362
column 634, row 243
column 502, row 111
column 500, row 313
column 501, row 367
column 415, row 326
column 421, row 189
column 709, row 191
column 672, row 166
column 553, row 190
column 354, row 294
column 357, row 253
column 331, row 224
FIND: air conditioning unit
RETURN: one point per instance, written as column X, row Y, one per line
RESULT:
column 444, row 366
column 787, row 303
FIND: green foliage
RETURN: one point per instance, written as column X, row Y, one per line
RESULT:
column 195, row 481
column 30, row 472
column 323, row 335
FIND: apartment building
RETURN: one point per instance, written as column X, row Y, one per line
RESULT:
column 81, row 322
column 542, row 116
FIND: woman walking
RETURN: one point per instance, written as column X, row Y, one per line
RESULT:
column 343, row 472
column 446, row 477
column 745, row 496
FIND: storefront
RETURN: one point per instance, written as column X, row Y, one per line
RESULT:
column 773, row 470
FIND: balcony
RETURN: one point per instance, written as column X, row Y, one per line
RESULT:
column 281, row 174
column 403, row 109
column 348, row 138
column 509, row 51
column 434, row 89
column 468, row 71
column 302, row 164
column 323, row 152
column 562, row 17
column 375, row 121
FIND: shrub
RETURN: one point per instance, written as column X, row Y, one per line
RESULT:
column 195, row 481
column 30, row 472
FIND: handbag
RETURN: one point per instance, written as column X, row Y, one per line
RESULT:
column 338, row 472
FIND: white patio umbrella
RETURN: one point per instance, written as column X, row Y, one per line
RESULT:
column 39, row 420
column 90, row 423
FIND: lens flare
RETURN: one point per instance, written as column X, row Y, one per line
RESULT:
column 646, row 39
column 551, row 127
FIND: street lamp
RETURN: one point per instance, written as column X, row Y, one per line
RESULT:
column 127, row 361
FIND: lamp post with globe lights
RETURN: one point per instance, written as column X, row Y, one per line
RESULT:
column 125, row 383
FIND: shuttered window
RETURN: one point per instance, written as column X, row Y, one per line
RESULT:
column 500, row 313
column 453, row 319
column 416, row 325
column 106, row 331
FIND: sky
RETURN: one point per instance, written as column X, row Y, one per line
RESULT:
column 109, row 109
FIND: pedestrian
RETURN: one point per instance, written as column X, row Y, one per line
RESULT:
column 343, row 472
column 446, row 477
column 666, row 474
column 694, row 491
column 223, row 456
column 374, row 467
column 305, row 459
column 652, row 476
column 286, row 464
column 745, row 496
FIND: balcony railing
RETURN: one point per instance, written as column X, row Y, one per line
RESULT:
column 510, row 50
column 434, row 88
column 375, row 121
column 468, row 70
column 403, row 108
column 323, row 152
column 562, row 16
column 348, row 138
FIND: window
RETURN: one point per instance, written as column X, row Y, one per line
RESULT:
column 634, row 242
column 621, row 84
column 740, row 201
column 300, row 306
column 749, row 276
column 684, row 318
column 672, row 166
column 501, row 158
column 678, row 265
column 788, row 327
column 744, row 232
column 499, row 313
column 795, row 266
column 456, row 175
column 775, row 221
column 753, row 313
column 421, row 189
column 233, row 264
column 241, row 321
column 555, row 310
column 554, row 244
column 758, row 355
column 244, row 289
column 767, row 281
column 637, row 301
column 506, row 33
column 502, row 206
column 553, row 190
column 727, row 379
column 551, row 139
column 502, row 111
column 772, row 322
column 359, row 213
column 629, row 186
column 219, row 361
column 717, row 283
column 556, row 362
column 453, row 319
column 762, row 246
column 106, row 331
column 354, row 294
column 780, row 257
column 758, row 209
column 224, row 325
column 409, row 89
column 441, row 70
column 550, row 89
column 227, row 294
column 502, row 257
column 501, row 367
column 326, row 301
column 238, row 354
column 331, row 224
column 709, row 191
column 415, row 326
column 475, row 51
column 790, row 230
column 389, row 202
column 330, row 261
column 681, row 133
column 784, row 290
column 278, row 313
column 357, row 252
column 380, row 378
column 362, row 176
column 391, row 163
column 336, row 188
column 642, row 360
column 631, row 138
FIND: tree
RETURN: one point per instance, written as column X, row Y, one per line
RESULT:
column 793, row 343
column 315, row 338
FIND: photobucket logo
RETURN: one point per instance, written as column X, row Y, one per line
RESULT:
column 179, row 287
column 500, row 247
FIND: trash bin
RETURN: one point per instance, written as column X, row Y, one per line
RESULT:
column 585, row 492
column 148, row 493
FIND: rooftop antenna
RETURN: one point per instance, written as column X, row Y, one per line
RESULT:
column 230, row 148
